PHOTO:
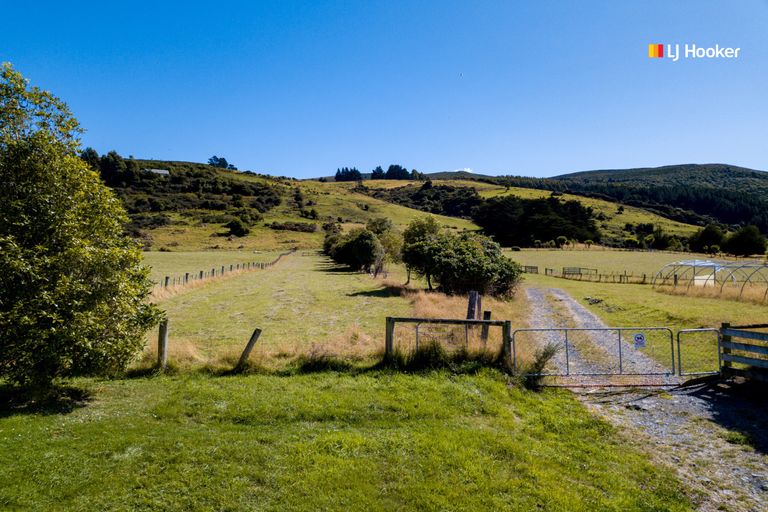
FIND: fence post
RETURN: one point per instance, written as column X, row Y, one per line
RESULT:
column 186, row 277
column 724, row 339
column 162, row 345
column 506, row 340
column 201, row 274
column 248, row 349
column 222, row 270
column 472, row 305
column 484, row 331
column 389, row 338
column 166, row 281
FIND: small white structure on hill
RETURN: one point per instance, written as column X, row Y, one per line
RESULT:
column 162, row 172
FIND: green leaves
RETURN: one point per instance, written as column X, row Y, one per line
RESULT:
column 72, row 286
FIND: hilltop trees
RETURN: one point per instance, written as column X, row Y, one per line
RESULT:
column 348, row 174
column 221, row 163
column 397, row 172
column 73, row 290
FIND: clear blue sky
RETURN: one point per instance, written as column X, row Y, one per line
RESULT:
column 300, row 88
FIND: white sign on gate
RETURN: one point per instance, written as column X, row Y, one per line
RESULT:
column 639, row 340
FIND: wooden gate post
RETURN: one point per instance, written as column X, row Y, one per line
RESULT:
column 506, row 341
column 724, row 340
column 389, row 338
column 162, row 345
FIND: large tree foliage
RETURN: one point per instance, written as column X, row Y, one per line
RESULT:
column 221, row 163
column 459, row 263
column 746, row 241
column 73, row 289
column 515, row 221
column 360, row 249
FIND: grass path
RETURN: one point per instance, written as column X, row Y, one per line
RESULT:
column 303, row 301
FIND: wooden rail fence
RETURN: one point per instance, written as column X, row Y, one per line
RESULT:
column 750, row 352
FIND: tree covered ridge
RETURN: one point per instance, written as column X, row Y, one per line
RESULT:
column 688, row 193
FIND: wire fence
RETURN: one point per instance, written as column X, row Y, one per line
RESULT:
column 189, row 278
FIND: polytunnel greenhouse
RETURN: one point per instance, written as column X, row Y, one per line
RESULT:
column 740, row 276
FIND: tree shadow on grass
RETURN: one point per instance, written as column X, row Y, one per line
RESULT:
column 739, row 406
column 333, row 268
column 60, row 400
column 381, row 293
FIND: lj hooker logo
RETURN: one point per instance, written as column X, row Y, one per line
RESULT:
column 691, row 51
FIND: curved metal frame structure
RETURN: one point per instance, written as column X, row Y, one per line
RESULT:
column 686, row 272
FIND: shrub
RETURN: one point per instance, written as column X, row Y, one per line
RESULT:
column 304, row 227
column 237, row 228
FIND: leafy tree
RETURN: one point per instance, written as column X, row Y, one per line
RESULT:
column 415, row 250
column 359, row 249
column 378, row 173
column 562, row 241
column 710, row 235
column 379, row 225
column 460, row 263
column 73, row 290
column 221, row 163
column 114, row 170
column 745, row 242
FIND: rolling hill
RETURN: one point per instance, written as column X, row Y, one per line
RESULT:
column 188, row 206
column 689, row 193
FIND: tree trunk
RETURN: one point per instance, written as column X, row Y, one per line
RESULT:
column 429, row 282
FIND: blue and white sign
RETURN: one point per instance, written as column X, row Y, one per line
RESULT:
column 639, row 340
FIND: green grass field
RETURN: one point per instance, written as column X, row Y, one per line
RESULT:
column 373, row 441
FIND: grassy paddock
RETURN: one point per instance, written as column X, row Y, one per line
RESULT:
column 328, row 441
column 305, row 304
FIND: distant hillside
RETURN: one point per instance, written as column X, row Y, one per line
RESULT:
column 188, row 206
column 688, row 193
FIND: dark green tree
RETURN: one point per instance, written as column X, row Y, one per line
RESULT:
column 221, row 163
column 745, row 241
column 397, row 172
column 710, row 235
column 378, row 173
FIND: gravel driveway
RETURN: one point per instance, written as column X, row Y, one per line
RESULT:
column 713, row 435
